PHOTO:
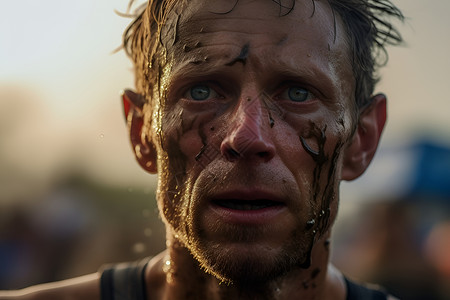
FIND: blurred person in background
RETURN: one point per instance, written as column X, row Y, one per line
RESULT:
column 251, row 113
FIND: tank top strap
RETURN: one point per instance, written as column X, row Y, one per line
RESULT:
column 357, row 292
column 124, row 281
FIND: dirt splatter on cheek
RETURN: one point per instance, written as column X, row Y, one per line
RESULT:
column 181, row 164
column 324, row 186
column 205, row 146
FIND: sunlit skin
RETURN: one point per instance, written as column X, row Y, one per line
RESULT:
column 268, row 100
column 274, row 165
column 254, row 110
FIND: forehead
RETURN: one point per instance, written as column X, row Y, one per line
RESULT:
column 260, row 17
column 307, row 36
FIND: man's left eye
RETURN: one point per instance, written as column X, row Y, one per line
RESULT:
column 297, row 94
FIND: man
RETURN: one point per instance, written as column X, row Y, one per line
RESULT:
column 251, row 113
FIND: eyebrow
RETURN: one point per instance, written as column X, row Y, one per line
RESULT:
column 217, row 64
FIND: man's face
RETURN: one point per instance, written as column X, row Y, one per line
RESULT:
column 250, row 130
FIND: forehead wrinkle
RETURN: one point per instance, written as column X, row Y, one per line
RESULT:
column 239, row 35
column 228, row 24
column 203, row 28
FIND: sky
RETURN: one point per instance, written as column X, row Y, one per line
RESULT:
column 60, row 84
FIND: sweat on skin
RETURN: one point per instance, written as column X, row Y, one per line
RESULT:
column 273, row 97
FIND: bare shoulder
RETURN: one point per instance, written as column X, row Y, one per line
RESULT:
column 84, row 287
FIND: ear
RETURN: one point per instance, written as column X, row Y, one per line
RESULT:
column 359, row 153
column 144, row 149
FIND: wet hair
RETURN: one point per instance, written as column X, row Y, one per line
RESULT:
column 142, row 43
column 369, row 30
column 367, row 23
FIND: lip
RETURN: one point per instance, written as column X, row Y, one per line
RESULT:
column 260, row 215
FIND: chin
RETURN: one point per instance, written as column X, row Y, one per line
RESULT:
column 253, row 264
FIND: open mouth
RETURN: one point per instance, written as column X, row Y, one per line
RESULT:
column 238, row 204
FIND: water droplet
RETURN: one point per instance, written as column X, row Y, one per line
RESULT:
column 102, row 135
column 139, row 248
column 148, row 232
column 310, row 223
column 166, row 266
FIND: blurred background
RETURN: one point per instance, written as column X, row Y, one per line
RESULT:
column 72, row 197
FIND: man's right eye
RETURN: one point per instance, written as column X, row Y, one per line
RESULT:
column 200, row 93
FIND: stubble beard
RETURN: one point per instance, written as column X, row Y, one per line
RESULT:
column 246, row 267
column 256, row 265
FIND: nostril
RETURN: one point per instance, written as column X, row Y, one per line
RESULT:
column 236, row 147
column 229, row 152
column 264, row 154
column 232, row 154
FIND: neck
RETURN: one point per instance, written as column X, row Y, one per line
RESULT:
column 185, row 279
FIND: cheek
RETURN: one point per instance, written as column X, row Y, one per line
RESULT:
column 198, row 140
column 191, row 144
column 319, row 142
column 183, row 136
column 188, row 129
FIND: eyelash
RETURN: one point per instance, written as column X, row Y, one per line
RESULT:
column 291, row 91
column 287, row 93
column 210, row 94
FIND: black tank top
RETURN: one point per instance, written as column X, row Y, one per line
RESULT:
column 126, row 281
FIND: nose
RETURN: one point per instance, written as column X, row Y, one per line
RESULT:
column 249, row 136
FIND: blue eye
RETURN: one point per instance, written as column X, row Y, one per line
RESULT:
column 298, row 94
column 200, row 92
